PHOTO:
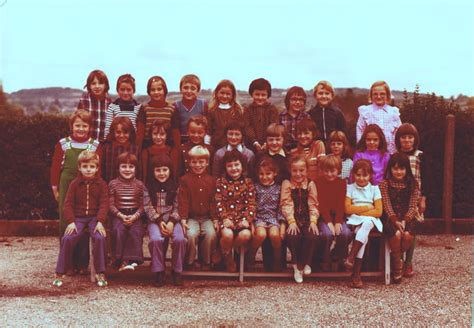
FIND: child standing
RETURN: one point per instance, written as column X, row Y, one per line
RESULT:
column 295, row 102
column 223, row 109
column 189, row 105
column 269, row 221
column 125, row 105
column 332, row 225
column 326, row 116
column 161, row 207
column 234, row 136
column 299, row 204
column 400, row 196
column 96, row 101
column 381, row 113
column 86, row 205
column 157, row 109
column 126, row 209
column 339, row 146
column 363, row 204
column 235, row 203
column 259, row 114
column 309, row 146
column 197, row 208
column 372, row 146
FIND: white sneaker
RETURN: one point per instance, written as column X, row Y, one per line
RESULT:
column 126, row 267
column 298, row 275
column 307, row 270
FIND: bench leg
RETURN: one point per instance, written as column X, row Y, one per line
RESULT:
column 387, row 263
column 91, row 259
column 242, row 261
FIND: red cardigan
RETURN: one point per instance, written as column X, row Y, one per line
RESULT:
column 331, row 196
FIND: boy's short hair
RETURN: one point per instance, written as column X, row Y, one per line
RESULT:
column 199, row 152
column 268, row 163
column 275, row 130
column 363, row 164
column 294, row 91
column 234, row 125
column 326, row 86
column 101, row 77
column 127, row 158
column 297, row 158
column 190, row 78
column 231, row 156
column 380, row 84
column 126, row 78
column 82, row 114
column 260, row 84
column 407, row 129
column 199, row 120
column 307, row 125
column 88, row 156
column 156, row 78
column 160, row 125
column 126, row 124
column 330, row 162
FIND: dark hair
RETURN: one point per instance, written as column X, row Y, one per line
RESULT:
column 126, row 125
column 363, row 164
column 234, row 125
column 101, row 77
column 156, row 78
column 155, row 186
column 308, row 125
column 407, row 129
column 294, row 91
column 198, row 120
column 401, row 160
column 127, row 158
column 267, row 162
column 160, row 125
column 231, row 156
column 362, row 146
column 260, row 84
column 126, row 78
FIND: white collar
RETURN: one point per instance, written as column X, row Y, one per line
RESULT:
column 239, row 147
column 281, row 152
column 362, row 188
column 225, row 106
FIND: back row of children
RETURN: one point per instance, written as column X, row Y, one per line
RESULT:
column 304, row 178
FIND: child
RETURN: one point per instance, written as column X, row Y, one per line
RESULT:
column 197, row 128
column 120, row 140
column 295, row 102
column 159, row 132
column 269, row 220
column 223, row 109
column 162, row 210
column 339, row 146
column 332, row 226
column 326, row 116
column 126, row 210
column 309, row 146
column 157, row 109
column 86, row 205
column 363, row 204
column 197, row 207
column 96, row 101
column 259, row 114
column 235, row 203
column 275, row 138
column 124, row 105
column 407, row 141
column 299, row 204
column 400, row 196
column 381, row 113
column 372, row 146
column 234, row 136
column 189, row 105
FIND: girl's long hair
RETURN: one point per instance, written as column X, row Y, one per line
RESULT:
column 362, row 145
column 236, row 109
column 401, row 160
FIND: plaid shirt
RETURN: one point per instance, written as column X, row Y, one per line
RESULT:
column 398, row 202
column 346, row 169
column 290, row 122
column 161, row 212
column 97, row 108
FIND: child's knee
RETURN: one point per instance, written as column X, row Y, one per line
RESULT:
column 157, row 240
column 245, row 235
column 227, row 234
column 260, row 233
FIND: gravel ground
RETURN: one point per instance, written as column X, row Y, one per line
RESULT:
column 440, row 294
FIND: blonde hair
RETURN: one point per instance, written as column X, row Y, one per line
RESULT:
column 83, row 115
column 380, row 84
column 236, row 107
column 190, row 78
column 199, row 152
column 88, row 156
column 330, row 162
column 326, row 86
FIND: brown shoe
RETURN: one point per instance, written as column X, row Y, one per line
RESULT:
column 408, row 271
column 229, row 262
column 356, row 281
column 349, row 262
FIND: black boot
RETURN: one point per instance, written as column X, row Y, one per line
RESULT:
column 356, row 281
column 177, row 278
column 349, row 262
column 160, row 279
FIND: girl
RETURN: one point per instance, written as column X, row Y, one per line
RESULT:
column 96, row 101
column 126, row 209
column 162, row 210
column 295, row 102
column 235, row 203
column 372, row 146
column 158, row 134
column 269, row 220
column 223, row 109
column 157, row 109
column 407, row 140
column 339, row 147
column 400, row 195
column 120, row 140
column 125, row 105
column 363, row 206
column 381, row 113
column 299, row 204
column 309, row 147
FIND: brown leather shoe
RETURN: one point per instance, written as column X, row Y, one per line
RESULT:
column 408, row 271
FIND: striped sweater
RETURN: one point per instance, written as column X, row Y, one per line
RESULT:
column 114, row 111
column 126, row 194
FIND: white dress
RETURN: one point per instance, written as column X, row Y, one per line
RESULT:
column 363, row 196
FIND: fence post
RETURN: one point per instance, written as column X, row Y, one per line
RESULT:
column 448, row 173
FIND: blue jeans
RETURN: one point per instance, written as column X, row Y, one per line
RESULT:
column 342, row 242
column 158, row 246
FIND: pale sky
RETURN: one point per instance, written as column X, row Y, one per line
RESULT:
column 349, row 43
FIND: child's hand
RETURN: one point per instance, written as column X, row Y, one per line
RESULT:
column 399, row 226
column 70, row 229
column 216, row 226
column 404, row 224
column 185, row 226
column 163, row 229
column 331, row 228
column 244, row 224
column 170, row 227
column 338, row 229
column 258, row 146
column 282, row 231
column 228, row 224
column 100, row 229
column 293, row 229
column 264, row 147
column 55, row 192
column 128, row 220
column 313, row 228
column 422, row 205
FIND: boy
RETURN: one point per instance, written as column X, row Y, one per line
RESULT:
column 197, row 207
column 86, row 205
column 295, row 102
column 189, row 105
column 234, row 136
column 259, row 114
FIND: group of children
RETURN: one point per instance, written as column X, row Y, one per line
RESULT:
column 218, row 178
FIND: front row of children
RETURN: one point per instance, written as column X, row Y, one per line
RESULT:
column 223, row 214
